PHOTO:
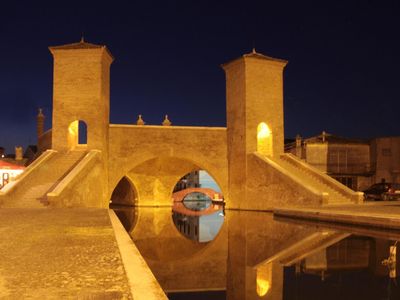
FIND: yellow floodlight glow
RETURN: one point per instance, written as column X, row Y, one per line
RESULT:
column 263, row 287
column 73, row 134
column 264, row 279
column 264, row 139
column 263, row 131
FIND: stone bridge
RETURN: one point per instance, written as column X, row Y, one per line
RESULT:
column 140, row 164
column 155, row 167
column 212, row 194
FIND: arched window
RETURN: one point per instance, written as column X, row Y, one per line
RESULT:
column 77, row 134
column 264, row 139
column 82, row 135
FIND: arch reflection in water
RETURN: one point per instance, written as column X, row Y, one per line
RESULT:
column 198, row 206
column 195, row 203
column 202, row 224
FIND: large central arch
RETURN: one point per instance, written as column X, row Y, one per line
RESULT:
column 154, row 158
column 155, row 178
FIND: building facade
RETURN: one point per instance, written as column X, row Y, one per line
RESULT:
column 354, row 162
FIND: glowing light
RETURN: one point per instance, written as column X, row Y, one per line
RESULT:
column 264, row 279
column 264, row 139
column 263, row 131
column 73, row 134
column 263, row 287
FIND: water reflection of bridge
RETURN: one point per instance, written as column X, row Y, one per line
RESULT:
column 248, row 256
column 181, row 208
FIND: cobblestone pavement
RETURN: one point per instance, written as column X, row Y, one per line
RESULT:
column 59, row 254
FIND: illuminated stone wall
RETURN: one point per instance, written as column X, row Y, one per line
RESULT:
column 267, row 188
column 154, row 158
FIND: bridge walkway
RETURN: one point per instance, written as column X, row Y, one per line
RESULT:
column 43, row 179
column 60, row 254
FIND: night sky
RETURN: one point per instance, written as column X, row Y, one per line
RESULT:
column 342, row 77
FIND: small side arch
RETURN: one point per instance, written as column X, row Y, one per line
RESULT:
column 124, row 193
column 264, row 139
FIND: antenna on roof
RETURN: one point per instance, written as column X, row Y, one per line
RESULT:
column 82, row 38
column 254, row 47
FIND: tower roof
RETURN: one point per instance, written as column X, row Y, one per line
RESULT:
column 81, row 45
column 257, row 55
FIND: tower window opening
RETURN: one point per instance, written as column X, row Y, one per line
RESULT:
column 77, row 134
column 264, row 139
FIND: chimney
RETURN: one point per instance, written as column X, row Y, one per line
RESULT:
column 18, row 153
column 298, row 140
column 40, row 123
column 166, row 121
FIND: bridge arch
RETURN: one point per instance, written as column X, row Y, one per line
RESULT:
column 155, row 177
column 124, row 193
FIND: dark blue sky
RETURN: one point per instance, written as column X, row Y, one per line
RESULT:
column 342, row 76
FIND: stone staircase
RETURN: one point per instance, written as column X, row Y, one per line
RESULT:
column 45, row 180
column 295, row 252
column 315, row 181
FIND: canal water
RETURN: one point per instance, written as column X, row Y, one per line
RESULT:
column 201, row 251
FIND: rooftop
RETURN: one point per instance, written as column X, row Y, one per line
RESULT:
column 254, row 54
column 80, row 45
column 334, row 139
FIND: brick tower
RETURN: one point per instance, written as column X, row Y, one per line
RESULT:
column 254, row 104
column 81, row 92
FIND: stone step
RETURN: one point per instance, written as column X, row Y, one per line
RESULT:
column 46, row 178
column 314, row 181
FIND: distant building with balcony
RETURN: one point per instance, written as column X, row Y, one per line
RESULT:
column 356, row 163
